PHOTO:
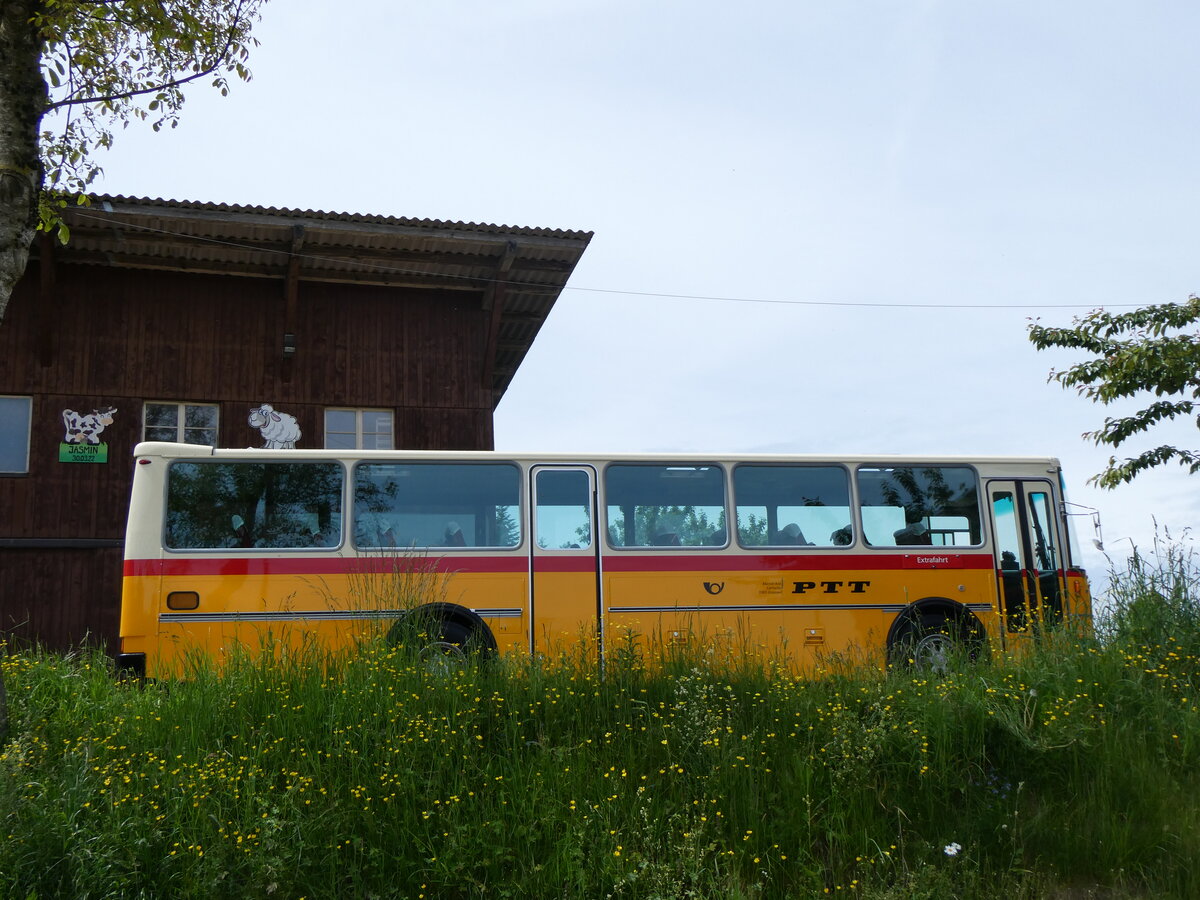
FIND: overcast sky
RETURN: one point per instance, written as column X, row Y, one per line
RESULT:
column 878, row 195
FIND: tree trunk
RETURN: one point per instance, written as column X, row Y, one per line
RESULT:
column 22, row 101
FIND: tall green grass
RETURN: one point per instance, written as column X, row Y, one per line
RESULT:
column 1073, row 770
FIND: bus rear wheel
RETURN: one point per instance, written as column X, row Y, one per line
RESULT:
column 441, row 644
column 935, row 643
column 446, row 652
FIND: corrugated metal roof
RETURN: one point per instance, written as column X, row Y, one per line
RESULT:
column 236, row 209
column 523, row 269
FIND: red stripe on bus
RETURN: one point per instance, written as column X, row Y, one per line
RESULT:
column 613, row 562
column 706, row 562
column 564, row 564
column 321, row 565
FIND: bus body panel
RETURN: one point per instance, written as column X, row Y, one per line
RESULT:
column 301, row 599
column 809, row 611
column 566, row 614
column 806, row 604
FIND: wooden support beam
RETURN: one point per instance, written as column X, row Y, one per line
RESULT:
column 292, row 284
column 493, row 299
column 291, row 302
column 431, row 281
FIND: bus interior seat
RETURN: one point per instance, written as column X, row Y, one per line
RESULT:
column 791, row 536
column 454, row 535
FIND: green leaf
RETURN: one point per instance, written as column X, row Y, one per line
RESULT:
column 1148, row 351
column 120, row 61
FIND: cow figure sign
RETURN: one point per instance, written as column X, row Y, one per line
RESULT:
column 81, row 441
column 79, row 428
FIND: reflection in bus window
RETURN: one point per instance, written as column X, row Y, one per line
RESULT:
column 253, row 504
column 437, row 505
column 665, row 506
column 1012, row 578
column 1045, row 551
column 919, row 505
column 791, row 506
column 1045, row 555
column 564, row 509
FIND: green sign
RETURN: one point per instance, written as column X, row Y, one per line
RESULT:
column 83, row 453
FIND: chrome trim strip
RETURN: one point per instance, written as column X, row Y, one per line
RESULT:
column 325, row 615
column 780, row 607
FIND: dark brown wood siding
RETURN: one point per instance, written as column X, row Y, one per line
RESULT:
column 119, row 337
column 60, row 597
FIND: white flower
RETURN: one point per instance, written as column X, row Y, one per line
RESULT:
column 952, row 849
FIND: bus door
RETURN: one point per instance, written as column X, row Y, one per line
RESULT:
column 1029, row 561
column 564, row 602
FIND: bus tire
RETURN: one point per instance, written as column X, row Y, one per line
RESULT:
column 933, row 641
column 447, row 650
column 444, row 636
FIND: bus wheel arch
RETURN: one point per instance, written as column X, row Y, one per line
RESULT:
column 445, row 631
column 927, row 633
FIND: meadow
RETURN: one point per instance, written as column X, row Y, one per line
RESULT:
column 1072, row 771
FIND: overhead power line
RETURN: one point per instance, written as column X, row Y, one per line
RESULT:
column 866, row 303
column 400, row 270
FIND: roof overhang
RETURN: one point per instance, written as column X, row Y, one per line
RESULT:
column 519, row 272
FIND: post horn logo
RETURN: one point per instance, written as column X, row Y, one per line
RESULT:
column 714, row 587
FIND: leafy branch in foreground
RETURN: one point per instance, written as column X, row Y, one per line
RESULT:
column 71, row 71
column 1154, row 349
column 100, row 60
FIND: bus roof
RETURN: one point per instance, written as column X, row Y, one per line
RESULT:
column 165, row 450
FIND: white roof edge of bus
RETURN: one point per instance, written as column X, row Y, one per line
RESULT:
column 172, row 450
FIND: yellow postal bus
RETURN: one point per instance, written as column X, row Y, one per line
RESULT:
column 798, row 555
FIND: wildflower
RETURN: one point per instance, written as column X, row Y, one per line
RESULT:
column 952, row 849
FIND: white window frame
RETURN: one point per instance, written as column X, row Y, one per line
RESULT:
column 358, row 425
column 180, row 418
column 28, row 432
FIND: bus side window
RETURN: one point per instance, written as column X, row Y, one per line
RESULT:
column 790, row 505
column 931, row 505
column 432, row 504
column 563, row 519
column 651, row 505
column 213, row 504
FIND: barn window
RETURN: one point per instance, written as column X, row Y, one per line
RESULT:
column 185, row 423
column 15, row 414
column 358, row 429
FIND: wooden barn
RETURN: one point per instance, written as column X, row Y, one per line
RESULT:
column 211, row 323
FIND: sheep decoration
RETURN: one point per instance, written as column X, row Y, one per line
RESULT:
column 279, row 430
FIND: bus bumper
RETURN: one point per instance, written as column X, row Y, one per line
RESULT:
column 131, row 665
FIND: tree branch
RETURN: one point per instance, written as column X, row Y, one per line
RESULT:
column 215, row 61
